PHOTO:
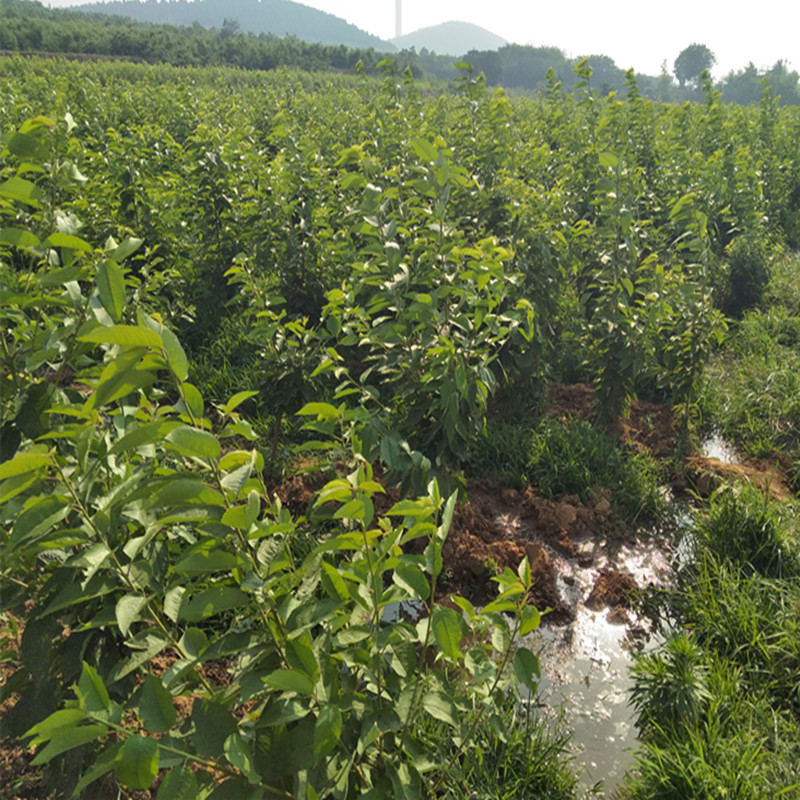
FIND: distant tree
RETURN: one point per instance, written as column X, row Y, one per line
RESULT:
column 691, row 62
column 489, row 63
column 607, row 77
column 230, row 27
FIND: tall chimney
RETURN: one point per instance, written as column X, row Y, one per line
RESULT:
column 398, row 16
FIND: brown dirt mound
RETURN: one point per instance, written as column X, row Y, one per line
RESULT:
column 498, row 527
column 611, row 589
column 706, row 474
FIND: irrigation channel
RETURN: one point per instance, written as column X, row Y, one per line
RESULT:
column 586, row 679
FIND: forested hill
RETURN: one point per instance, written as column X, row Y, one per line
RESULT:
column 278, row 17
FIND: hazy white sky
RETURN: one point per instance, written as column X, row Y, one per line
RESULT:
column 638, row 35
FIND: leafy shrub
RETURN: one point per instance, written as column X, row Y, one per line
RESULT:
column 136, row 526
column 747, row 276
column 670, row 686
column 742, row 527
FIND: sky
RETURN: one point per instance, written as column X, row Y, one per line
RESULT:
column 639, row 35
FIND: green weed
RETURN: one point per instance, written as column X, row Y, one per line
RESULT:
column 567, row 458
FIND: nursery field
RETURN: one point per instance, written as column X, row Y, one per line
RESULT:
column 323, row 397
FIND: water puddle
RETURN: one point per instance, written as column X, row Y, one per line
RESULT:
column 716, row 447
column 585, row 677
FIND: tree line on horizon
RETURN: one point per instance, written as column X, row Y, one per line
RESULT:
column 29, row 27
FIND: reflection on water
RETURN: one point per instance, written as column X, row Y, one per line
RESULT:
column 716, row 447
column 585, row 666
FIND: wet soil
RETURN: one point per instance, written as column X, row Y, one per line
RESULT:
column 652, row 428
column 499, row 526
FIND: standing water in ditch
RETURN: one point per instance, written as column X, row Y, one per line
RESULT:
column 585, row 665
column 588, row 567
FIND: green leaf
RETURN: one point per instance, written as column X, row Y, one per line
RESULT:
column 333, row 583
column 176, row 355
column 172, row 602
column 213, row 601
column 142, row 435
column 127, row 248
column 145, row 646
column 22, row 463
column 413, row 580
column 206, row 560
column 38, row 518
column 91, row 691
column 194, row 442
column 290, row 680
column 235, row 481
column 323, row 411
column 239, row 754
column 441, row 707
column 465, row 606
column 28, row 146
column 237, row 400
column 213, row 724
column 68, row 241
column 128, row 610
column 526, row 668
column 608, row 160
column 111, row 287
column 186, row 491
column 447, row 631
column 18, row 237
column 58, row 720
column 180, row 784
column 22, row 191
column 355, row 510
column 125, row 335
column 137, row 763
column 424, row 149
column 155, row 707
column 300, row 655
column 531, row 619
column 327, row 730
column 194, row 400
column 68, row 739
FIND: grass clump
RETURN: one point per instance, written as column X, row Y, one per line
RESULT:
column 571, row 457
column 521, row 758
column 718, row 704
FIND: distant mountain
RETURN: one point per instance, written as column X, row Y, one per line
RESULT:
column 451, row 39
column 277, row 17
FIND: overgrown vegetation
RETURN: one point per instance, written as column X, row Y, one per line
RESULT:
column 572, row 458
column 355, row 294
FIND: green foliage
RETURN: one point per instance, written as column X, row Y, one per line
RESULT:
column 744, row 529
column 691, row 62
column 753, row 396
column 670, row 686
column 719, row 702
column 748, row 260
column 135, row 526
